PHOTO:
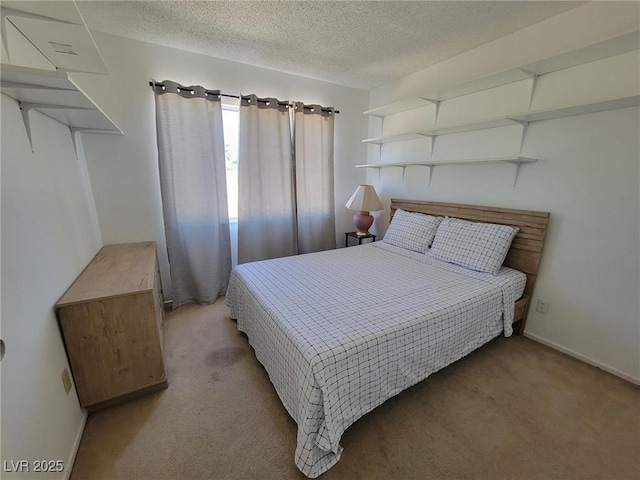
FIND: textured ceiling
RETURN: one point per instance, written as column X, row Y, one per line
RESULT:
column 353, row 43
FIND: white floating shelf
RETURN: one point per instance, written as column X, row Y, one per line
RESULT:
column 514, row 119
column 608, row 48
column 400, row 137
column 476, row 85
column 467, row 161
column 56, row 95
column 397, row 107
column 469, row 127
column 569, row 111
column 516, row 161
column 615, row 46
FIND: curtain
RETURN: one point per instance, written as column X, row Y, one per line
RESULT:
column 266, row 206
column 194, row 192
column 285, row 179
column 313, row 141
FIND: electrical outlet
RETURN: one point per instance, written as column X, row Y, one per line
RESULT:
column 66, row 380
column 542, row 306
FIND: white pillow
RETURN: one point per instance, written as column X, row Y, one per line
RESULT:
column 477, row 246
column 413, row 231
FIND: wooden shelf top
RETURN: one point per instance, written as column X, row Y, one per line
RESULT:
column 116, row 270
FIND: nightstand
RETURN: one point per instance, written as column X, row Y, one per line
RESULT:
column 358, row 237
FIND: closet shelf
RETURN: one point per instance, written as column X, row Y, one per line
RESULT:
column 522, row 118
column 56, row 95
column 615, row 46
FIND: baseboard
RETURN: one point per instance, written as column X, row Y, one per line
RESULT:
column 76, row 445
column 583, row 358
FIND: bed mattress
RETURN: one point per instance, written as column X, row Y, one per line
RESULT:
column 340, row 332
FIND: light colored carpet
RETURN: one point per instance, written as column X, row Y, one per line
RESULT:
column 514, row 409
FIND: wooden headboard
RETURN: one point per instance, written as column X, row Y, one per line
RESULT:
column 526, row 248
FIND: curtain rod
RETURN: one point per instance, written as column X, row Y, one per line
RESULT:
column 187, row 89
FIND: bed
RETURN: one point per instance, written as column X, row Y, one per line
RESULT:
column 342, row 331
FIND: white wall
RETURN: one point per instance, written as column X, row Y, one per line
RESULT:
column 49, row 235
column 123, row 170
column 587, row 177
column 591, row 23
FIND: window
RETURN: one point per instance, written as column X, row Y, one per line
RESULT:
column 230, row 122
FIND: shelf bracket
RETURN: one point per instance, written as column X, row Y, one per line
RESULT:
column 534, row 82
column 404, row 168
column 523, row 134
column 517, row 164
column 25, row 107
column 76, row 138
column 433, row 143
column 431, row 169
column 379, row 145
column 24, row 110
column 437, row 104
column 515, row 175
column 5, row 40
column 516, row 172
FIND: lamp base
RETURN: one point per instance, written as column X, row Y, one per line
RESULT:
column 363, row 221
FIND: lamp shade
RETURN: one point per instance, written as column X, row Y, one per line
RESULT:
column 364, row 199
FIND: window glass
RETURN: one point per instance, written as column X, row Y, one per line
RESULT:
column 230, row 121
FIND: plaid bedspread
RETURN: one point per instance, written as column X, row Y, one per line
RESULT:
column 340, row 332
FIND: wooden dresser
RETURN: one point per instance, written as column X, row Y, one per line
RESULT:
column 111, row 320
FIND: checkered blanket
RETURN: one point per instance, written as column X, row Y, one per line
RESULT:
column 340, row 332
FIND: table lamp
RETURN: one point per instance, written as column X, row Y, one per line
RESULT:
column 364, row 200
